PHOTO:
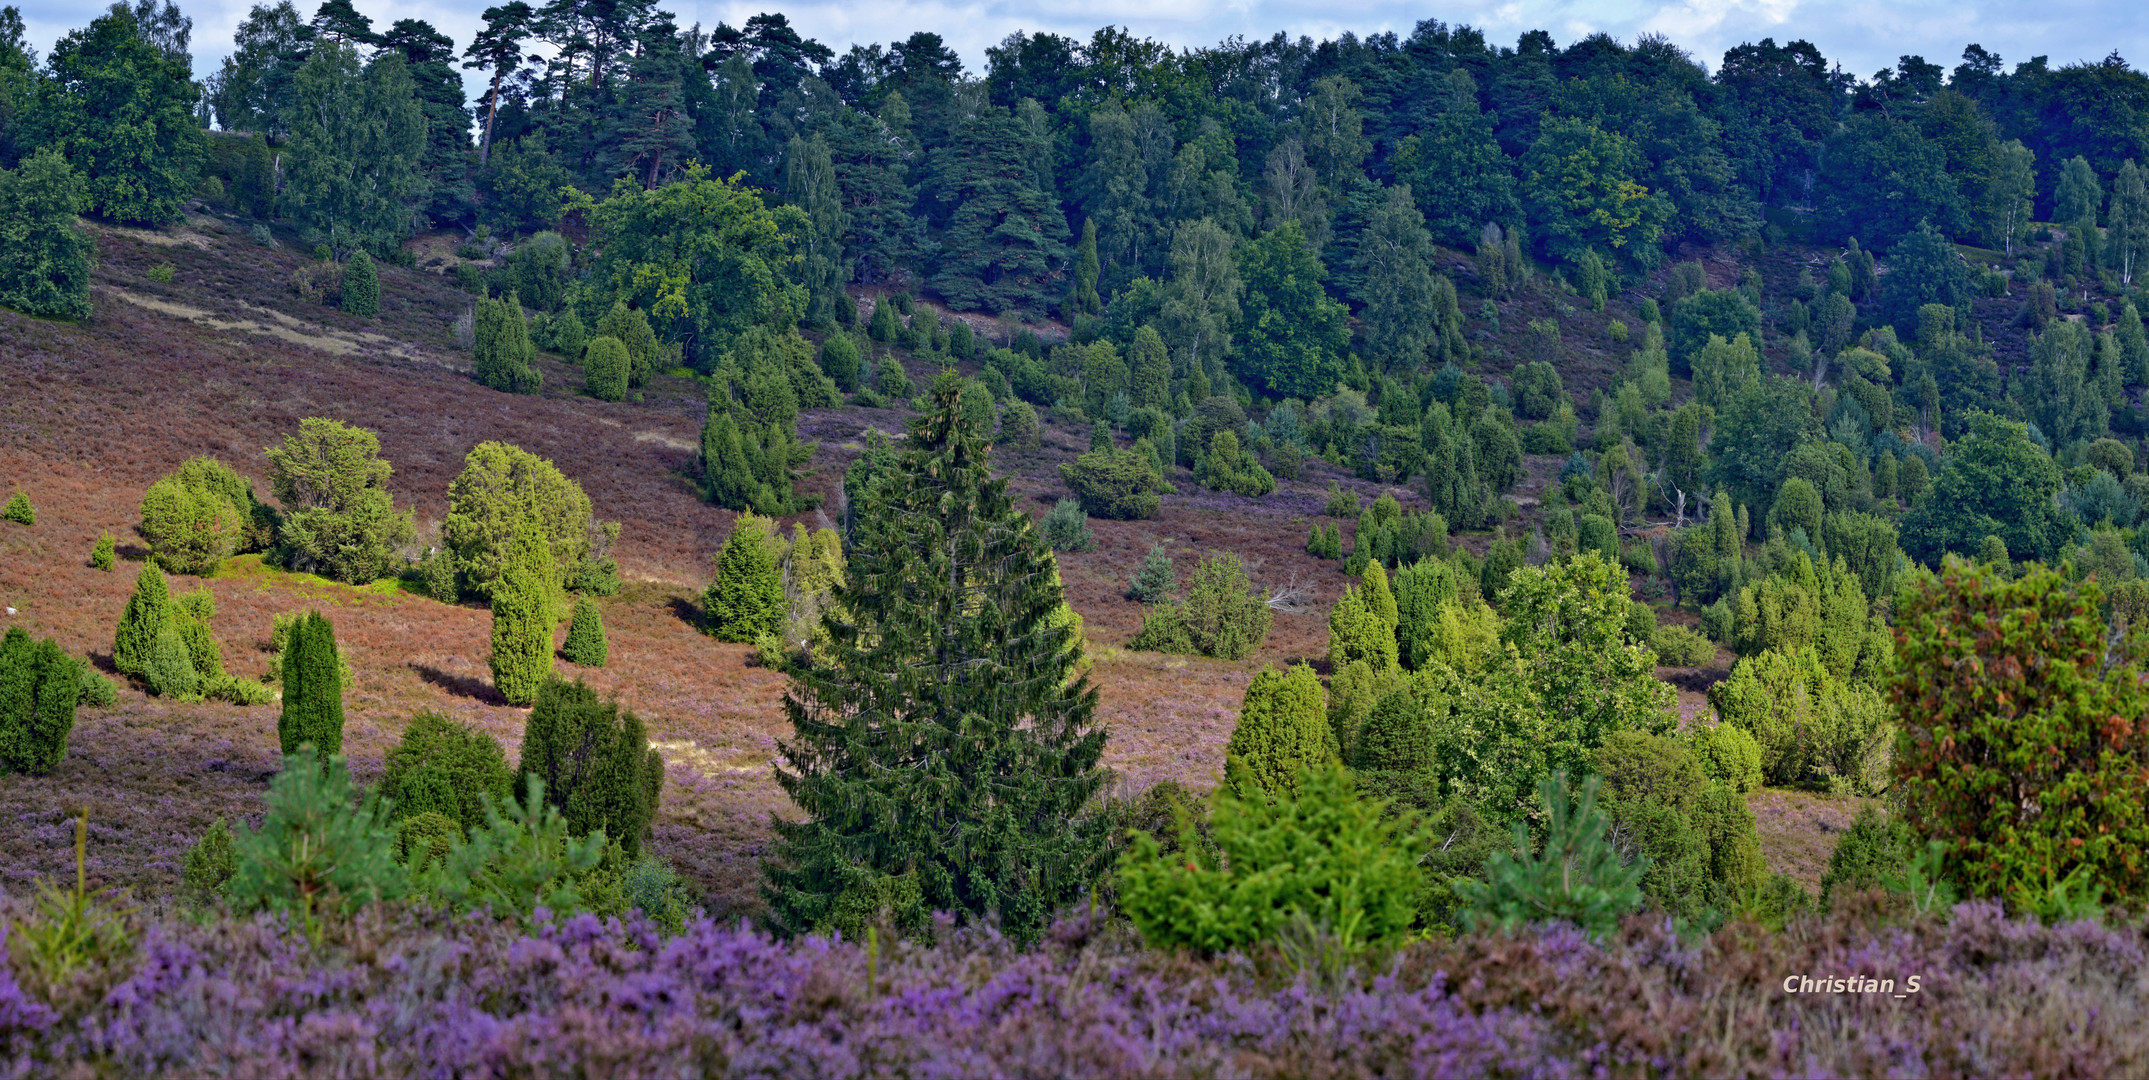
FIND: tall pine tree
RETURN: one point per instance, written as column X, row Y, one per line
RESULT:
column 944, row 749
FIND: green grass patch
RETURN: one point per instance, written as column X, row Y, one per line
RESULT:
column 255, row 568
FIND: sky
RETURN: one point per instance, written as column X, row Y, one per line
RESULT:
column 1864, row 36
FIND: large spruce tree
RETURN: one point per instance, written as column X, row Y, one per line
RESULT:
column 944, row 750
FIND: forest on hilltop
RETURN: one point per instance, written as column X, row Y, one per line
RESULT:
column 1393, row 542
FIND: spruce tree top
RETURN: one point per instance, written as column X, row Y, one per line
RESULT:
column 945, row 738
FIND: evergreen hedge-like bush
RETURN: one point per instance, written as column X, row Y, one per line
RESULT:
column 147, row 613
column 312, row 681
column 39, row 689
column 746, row 600
column 594, row 762
column 523, row 615
column 1114, row 484
column 443, row 766
column 361, row 286
column 605, row 364
column 1066, row 527
column 103, row 554
column 586, row 645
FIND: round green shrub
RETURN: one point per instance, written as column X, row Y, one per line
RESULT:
column 444, row 767
column 1114, row 484
column 605, row 365
column 1679, row 646
column 19, row 510
column 1729, row 755
column 423, row 840
column 1395, row 738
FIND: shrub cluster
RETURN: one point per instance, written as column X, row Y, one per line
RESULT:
column 1223, row 615
column 40, row 685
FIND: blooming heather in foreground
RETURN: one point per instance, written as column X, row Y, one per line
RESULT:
column 398, row 993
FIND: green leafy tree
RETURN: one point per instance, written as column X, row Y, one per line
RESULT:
column 40, row 686
column 704, row 258
column 1754, row 434
column 1295, row 336
column 1811, row 725
column 1581, row 185
column 2010, row 196
column 1577, row 876
column 120, row 110
column 810, row 184
column 1710, row 313
column 1994, row 482
column 339, row 519
column 585, row 645
column 44, row 259
column 839, row 360
column 1281, row 735
column 746, row 600
column 444, row 766
column 2078, row 195
column 1925, row 269
column 501, row 352
column 361, row 286
column 500, row 486
column 358, row 138
column 1326, row 858
column 948, row 675
column 594, row 762
column 525, row 599
column 1566, row 621
column 312, row 678
column 2128, row 239
column 2019, row 751
column 1200, row 305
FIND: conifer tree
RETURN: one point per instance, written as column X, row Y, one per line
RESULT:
column 1082, row 300
column 746, row 599
column 631, row 329
column 146, row 614
column 1282, row 732
column 39, row 687
column 595, row 762
column 169, row 672
column 945, row 748
column 1155, row 580
column 604, row 369
column 1149, row 367
column 19, row 510
column 44, row 257
column 103, row 554
column 312, row 688
column 1380, row 599
column 503, row 349
column 361, row 286
column 585, row 636
column 523, row 612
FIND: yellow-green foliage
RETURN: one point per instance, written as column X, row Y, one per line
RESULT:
column 501, row 484
column 1326, row 857
column 1282, row 731
column 1729, row 754
column 1812, row 727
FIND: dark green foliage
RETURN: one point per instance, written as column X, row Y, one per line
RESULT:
column 443, row 766
column 1066, row 527
column 950, row 674
column 537, row 271
column 191, row 614
column 312, row 683
column 585, row 636
column 605, row 364
column 525, row 601
column 1006, row 239
column 1155, row 581
column 1395, row 738
column 361, row 286
column 1114, row 484
column 19, row 510
column 503, row 352
column 1019, row 427
column 1499, row 451
column 44, row 259
column 746, row 599
column 424, row 841
column 1577, row 876
column 1295, row 335
column 590, row 756
column 148, row 612
column 839, row 360
column 1995, row 482
column 121, row 111
column 1724, row 313
column 1340, row 503
column 40, row 685
column 1282, row 733
column 209, row 864
column 1874, row 850
column 2020, row 751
